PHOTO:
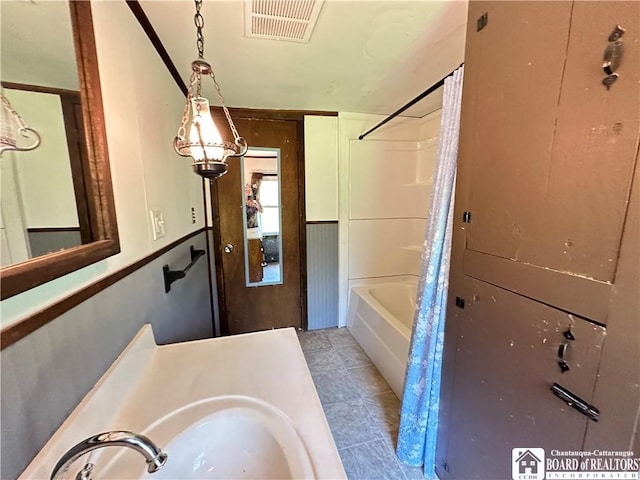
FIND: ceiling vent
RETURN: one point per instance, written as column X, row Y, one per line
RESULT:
column 291, row 20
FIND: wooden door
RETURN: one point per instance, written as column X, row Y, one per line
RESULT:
column 247, row 309
column 545, row 177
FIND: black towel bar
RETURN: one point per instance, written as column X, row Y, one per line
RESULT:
column 171, row 276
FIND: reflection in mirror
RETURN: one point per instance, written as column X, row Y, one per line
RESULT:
column 43, row 196
column 65, row 62
column 262, row 216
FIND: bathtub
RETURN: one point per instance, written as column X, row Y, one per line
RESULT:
column 380, row 317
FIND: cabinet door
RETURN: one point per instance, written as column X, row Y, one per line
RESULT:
column 553, row 151
column 506, row 361
column 546, row 161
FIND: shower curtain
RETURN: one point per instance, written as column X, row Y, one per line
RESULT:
column 419, row 412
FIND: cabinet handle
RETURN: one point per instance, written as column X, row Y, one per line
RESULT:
column 576, row 402
column 568, row 334
column 562, row 349
column 562, row 362
column 612, row 56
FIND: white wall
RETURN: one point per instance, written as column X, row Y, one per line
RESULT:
column 385, row 188
column 44, row 175
column 15, row 245
column 321, row 168
column 143, row 107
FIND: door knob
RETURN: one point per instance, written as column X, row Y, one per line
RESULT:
column 228, row 248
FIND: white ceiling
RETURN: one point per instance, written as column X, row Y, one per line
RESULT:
column 37, row 44
column 366, row 56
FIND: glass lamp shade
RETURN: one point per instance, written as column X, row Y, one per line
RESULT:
column 14, row 132
column 7, row 133
column 205, row 141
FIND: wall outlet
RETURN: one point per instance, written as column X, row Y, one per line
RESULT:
column 193, row 214
column 157, row 224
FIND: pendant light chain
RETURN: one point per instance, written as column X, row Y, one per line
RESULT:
column 224, row 107
column 182, row 130
column 198, row 20
column 202, row 141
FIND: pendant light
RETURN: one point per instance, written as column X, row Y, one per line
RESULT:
column 12, row 124
column 197, row 135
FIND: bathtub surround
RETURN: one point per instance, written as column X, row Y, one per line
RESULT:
column 420, row 403
column 385, row 183
column 362, row 411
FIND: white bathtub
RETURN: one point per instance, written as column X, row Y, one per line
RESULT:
column 380, row 319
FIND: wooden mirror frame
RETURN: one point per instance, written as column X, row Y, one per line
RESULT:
column 18, row 278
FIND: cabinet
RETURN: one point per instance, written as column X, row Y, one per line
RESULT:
column 507, row 355
column 255, row 260
column 547, row 170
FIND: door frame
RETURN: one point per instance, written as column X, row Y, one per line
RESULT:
column 291, row 115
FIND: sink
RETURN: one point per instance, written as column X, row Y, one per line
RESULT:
column 241, row 406
column 227, row 437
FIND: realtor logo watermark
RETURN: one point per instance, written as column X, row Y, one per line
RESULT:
column 536, row 464
column 527, row 463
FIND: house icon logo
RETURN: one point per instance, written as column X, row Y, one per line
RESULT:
column 527, row 464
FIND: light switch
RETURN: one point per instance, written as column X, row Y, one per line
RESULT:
column 157, row 224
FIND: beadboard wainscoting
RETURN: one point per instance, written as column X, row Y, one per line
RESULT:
column 48, row 372
column 322, row 274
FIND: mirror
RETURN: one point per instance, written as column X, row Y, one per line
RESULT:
column 44, row 195
column 51, row 67
column 262, row 216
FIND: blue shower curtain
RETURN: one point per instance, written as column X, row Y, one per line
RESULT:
column 420, row 402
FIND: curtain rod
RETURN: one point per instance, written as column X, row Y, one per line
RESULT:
column 428, row 91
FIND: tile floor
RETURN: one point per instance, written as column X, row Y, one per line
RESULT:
column 362, row 411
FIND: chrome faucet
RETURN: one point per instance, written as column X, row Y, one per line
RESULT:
column 154, row 457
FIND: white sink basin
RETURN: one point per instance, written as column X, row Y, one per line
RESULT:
column 242, row 406
column 227, row 437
